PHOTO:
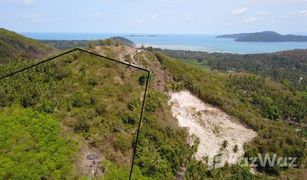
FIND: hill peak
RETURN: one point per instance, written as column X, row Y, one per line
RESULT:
column 14, row 47
column 265, row 36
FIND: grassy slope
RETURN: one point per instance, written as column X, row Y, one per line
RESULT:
column 14, row 47
column 28, row 142
column 236, row 94
column 250, row 98
column 287, row 67
column 78, row 93
column 101, row 105
column 88, row 101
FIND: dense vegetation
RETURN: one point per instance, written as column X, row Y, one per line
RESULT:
column 102, row 106
column 31, row 146
column 67, row 44
column 50, row 112
column 253, row 100
column 89, row 103
column 15, row 47
column 289, row 67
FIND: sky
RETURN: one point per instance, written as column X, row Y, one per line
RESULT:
column 154, row 16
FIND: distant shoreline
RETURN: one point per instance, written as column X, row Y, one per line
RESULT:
column 205, row 43
column 140, row 35
column 265, row 36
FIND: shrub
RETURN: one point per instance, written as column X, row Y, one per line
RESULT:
column 78, row 101
column 123, row 142
column 271, row 112
column 126, row 118
column 235, row 149
column 225, row 143
column 92, row 82
column 152, row 102
column 81, row 125
column 29, row 99
column 132, row 105
column 101, row 109
column 142, row 80
column 31, row 146
column 61, row 74
column 242, row 173
column 46, row 107
column 131, row 120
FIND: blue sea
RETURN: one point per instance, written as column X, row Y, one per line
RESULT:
column 207, row 43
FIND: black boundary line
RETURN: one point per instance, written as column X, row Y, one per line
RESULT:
column 138, row 131
column 67, row 52
column 114, row 60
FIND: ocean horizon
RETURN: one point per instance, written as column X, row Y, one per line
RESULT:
column 205, row 43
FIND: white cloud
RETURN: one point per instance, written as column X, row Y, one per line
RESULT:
column 155, row 16
column 303, row 13
column 28, row 2
column 239, row 11
column 251, row 19
column 299, row 14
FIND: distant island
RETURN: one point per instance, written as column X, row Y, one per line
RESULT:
column 145, row 35
column 265, row 36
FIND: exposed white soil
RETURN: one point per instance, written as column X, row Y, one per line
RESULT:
column 212, row 126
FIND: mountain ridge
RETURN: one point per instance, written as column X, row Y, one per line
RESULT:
column 17, row 47
column 89, row 94
column 265, row 36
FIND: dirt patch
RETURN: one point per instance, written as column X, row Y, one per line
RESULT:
column 139, row 58
column 118, row 80
column 219, row 134
column 89, row 161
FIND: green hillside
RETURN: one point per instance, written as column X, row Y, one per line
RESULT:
column 85, row 104
column 68, row 44
column 30, row 140
column 287, row 67
column 98, row 107
column 16, row 47
column 91, row 103
column 259, row 103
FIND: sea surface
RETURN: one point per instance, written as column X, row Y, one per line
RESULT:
column 207, row 43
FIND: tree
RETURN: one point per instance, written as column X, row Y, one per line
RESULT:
column 32, row 147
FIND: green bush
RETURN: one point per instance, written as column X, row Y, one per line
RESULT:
column 152, row 102
column 142, row 80
column 101, row 109
column 132, row 105
column 31, row 146
column 78, row 100
column 46, row 107
column 242, row 173
column 114, row 171
column 92, row 82
column 123, row 142
column 271, row 112
column 81, row 125
column 61, row 74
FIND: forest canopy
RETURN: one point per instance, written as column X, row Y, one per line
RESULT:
column 32, row 147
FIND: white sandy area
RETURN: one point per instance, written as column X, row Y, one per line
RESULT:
column 212, row 126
